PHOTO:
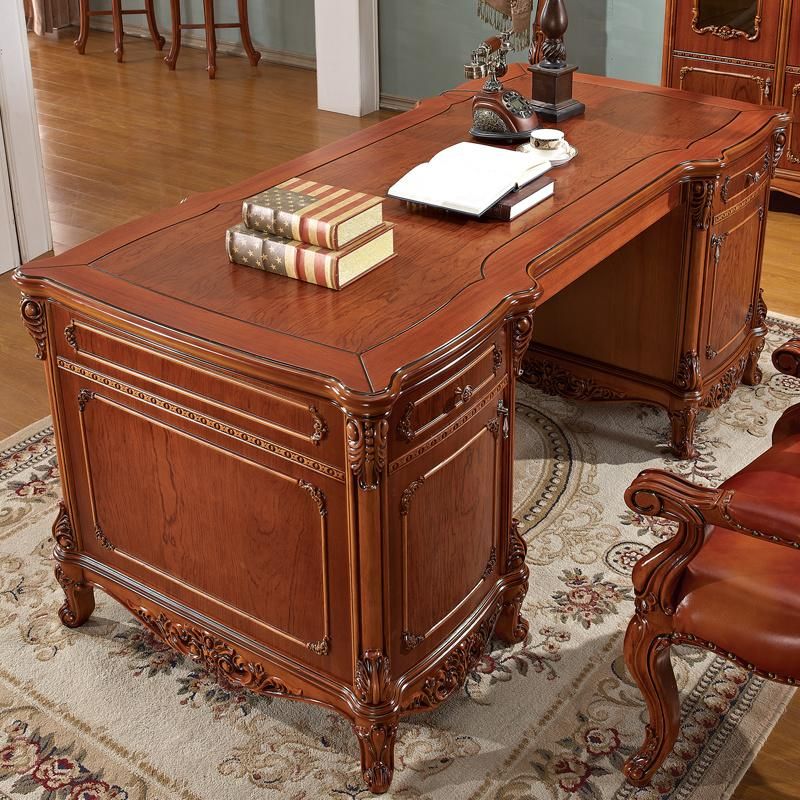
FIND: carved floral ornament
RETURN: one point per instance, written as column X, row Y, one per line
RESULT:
column 728, row 32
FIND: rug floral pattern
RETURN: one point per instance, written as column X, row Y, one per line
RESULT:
column 107, row 712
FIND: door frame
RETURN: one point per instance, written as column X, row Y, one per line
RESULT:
column 23, row 197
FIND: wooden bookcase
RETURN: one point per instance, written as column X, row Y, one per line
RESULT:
column 743, row 49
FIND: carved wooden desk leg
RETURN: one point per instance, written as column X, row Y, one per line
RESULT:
column 752, row 373
column 79, row 602
column 376, row 741
column 684, row 426
column 511, row 626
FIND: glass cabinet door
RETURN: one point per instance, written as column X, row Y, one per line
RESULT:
column 728, row 18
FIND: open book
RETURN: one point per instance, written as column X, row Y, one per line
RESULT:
column 469, row 178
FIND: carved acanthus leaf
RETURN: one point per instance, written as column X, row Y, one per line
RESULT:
column 215, row 654
column 105, row 542
column 405, row 430
column 491, row 563
column 688, row 376
column 779, row 145
column 366, row 450
column 517, row 549
column 35, row 319
column 722, row 391
column 408, row 494
column 701, row 198
column 521, row 335
column 372, row 678
column 320, row 426
column 70, row 334
column 62, row 529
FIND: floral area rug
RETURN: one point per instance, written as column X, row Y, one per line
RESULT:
column 105, row 712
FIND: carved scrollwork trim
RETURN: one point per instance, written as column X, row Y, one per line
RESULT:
column 35, row 319
column 105, row 542
column 366, row 450
column 452, row 673
column 521, row 335
column 62, row 529
column 408, row 494
column 215, row 654
column 320, row 648
column 320, row 426
column 404, row 428
column 724, row 192
column 722, row 391
column 728, row 32
column 551, row 378
column 71, row 335
column 701, row 198
column 372, row 677
column 497, row 360
column 490, row 564
column 761, row 311
column 317, row 495
column 84, row 396
column 494, row 426
column 688, row 376
column 711, row 353
column 412, row 640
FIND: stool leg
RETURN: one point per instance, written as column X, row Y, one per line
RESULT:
column 116, row 16
column 157, row 38
column 247, row 42
column 175, row 45
column 211, row 38
column 83, row 35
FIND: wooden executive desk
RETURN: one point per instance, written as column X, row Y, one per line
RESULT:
column 310, row 491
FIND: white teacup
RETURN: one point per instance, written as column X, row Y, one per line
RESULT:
column 547, row 139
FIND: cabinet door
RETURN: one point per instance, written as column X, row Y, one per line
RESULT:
column 737, row 29
column 733, row 270
column 445, row 516
column 791, row 99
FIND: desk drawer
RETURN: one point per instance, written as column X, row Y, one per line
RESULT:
column 446, row 395
column 745, row 179
column 186, row 387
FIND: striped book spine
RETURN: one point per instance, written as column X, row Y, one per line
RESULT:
column 305, row 211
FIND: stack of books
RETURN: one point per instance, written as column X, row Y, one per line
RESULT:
column 312, row 232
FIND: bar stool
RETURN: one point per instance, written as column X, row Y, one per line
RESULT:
column 211, row 27
column 116, row 13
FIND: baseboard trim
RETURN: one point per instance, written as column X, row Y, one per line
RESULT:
column 390, row 102
column 197, row 41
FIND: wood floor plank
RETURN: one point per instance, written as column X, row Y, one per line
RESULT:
column 121, row 140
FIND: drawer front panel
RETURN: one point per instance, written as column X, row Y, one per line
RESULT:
column 735, row 246
column 236, row 537
column 309, row 426
column 427, row 408
column 744, row 179
column 738, row 82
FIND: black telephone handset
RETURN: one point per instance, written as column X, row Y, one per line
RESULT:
column 498, row 113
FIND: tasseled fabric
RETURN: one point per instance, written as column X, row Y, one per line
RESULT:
column 497, row 13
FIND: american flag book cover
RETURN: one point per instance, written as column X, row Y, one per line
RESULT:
column 309, row 263
column 306, row 211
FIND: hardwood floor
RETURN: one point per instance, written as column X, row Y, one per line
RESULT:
column 120, row 141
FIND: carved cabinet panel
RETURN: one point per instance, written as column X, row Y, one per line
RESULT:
column 738, row 81
column 179, row 504
column 735, row 244
column 451, row 484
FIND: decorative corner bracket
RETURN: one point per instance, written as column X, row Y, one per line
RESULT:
column 35, row 319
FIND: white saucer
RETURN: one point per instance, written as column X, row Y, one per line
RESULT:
column 557, row 157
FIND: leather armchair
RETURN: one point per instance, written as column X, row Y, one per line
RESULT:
column 726, row 582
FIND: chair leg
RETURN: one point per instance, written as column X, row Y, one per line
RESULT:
column 175, row 46
column 116, row 16
column 158, row 39
column 211, row 38
column 247, row 42
column 83, row 35
column 647, row 658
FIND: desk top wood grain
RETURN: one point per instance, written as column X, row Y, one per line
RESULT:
column 169, row 273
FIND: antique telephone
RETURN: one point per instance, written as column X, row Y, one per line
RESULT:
column 498, row 113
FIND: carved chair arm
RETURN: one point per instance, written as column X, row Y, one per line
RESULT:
column 787, row 358
column 657, row 575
